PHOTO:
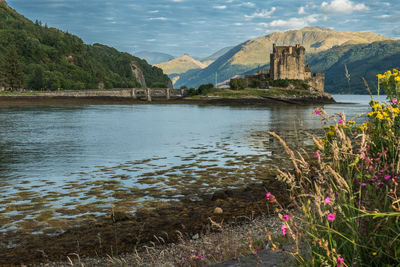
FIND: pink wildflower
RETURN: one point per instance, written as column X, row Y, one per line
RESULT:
column 327, row 200
column 318, row 112
column 286, row 217
column 363, row 184
column 387, row 177
column 340, row 121
column 331, row 217
column 284, row 229
column 316, row 155
column 394, row 101
column 268, row 195
column 340, row 261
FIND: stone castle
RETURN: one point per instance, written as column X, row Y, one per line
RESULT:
column 288, row 62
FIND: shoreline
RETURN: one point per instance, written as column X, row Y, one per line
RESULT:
column 105, row 100
column 122, row 234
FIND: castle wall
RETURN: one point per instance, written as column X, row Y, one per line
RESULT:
column 288, row 62
column 317, row 82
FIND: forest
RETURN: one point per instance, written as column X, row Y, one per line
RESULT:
column 34, row 56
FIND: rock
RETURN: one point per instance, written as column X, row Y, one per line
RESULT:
column 218, row 210
column 219, row 195
column 195, row 237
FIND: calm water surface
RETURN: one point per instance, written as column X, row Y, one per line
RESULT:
column 54, row 159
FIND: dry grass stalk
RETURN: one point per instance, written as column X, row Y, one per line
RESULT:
column 288, row 151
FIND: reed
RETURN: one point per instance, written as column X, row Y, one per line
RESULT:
column 348, row 190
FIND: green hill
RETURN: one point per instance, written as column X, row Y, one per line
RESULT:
column 361, row 60
column 37, row 57
column 255, row 52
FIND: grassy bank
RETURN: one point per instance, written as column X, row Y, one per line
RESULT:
column 251, row 92
column 15, row 93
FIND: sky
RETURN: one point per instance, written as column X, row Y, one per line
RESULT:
column 201, row 27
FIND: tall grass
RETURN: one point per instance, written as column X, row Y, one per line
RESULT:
column 348, row 189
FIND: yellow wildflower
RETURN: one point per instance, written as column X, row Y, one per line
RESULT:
column 370, row 114
column 330, row 133
column 396, row 110
column 376, row 106
column 380, row 76
column 379, row 116
column 397, row 79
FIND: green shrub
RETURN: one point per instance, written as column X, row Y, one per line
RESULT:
column 237, row 84
column 159, row 85
column 205, row 89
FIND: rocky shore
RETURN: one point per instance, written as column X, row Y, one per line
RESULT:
column 121, row 233
column 101, row 100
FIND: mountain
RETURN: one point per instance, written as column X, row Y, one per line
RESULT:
column 48, row 58
column 154, row 57
column 180, row 65
column 255, row 52
column 216, row 55
column 361, row 60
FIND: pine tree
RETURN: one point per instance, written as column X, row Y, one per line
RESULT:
column 36, row 80
column 11, row 69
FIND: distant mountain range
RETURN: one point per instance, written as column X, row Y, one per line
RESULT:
column 255, row 52
column 154, row 57
column 216, row 55
column 180, row 65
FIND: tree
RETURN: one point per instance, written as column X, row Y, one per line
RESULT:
column 36, row 80
column 237, row 84
column 11, row 69
column 205, row 88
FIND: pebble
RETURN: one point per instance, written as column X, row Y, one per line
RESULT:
column 218, row 210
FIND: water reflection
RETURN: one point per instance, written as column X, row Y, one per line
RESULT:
column 82, row 161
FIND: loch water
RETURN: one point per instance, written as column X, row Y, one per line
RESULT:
column 81, row 161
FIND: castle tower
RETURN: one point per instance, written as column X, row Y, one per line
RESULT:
column 288, row 62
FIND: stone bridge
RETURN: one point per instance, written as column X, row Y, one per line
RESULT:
column 156, row 92
column 135, row 93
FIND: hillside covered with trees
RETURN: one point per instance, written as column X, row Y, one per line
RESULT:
column 34, row 56
column 360, row 60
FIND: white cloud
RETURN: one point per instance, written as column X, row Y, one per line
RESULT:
column 238, row 24
column 159, row 18
column 265, row 14
column 290, row 24
column 178, row 1
column 154, row 11
column 219, row 7
column 301, row 10
column 248, row 4
column 342, row 6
